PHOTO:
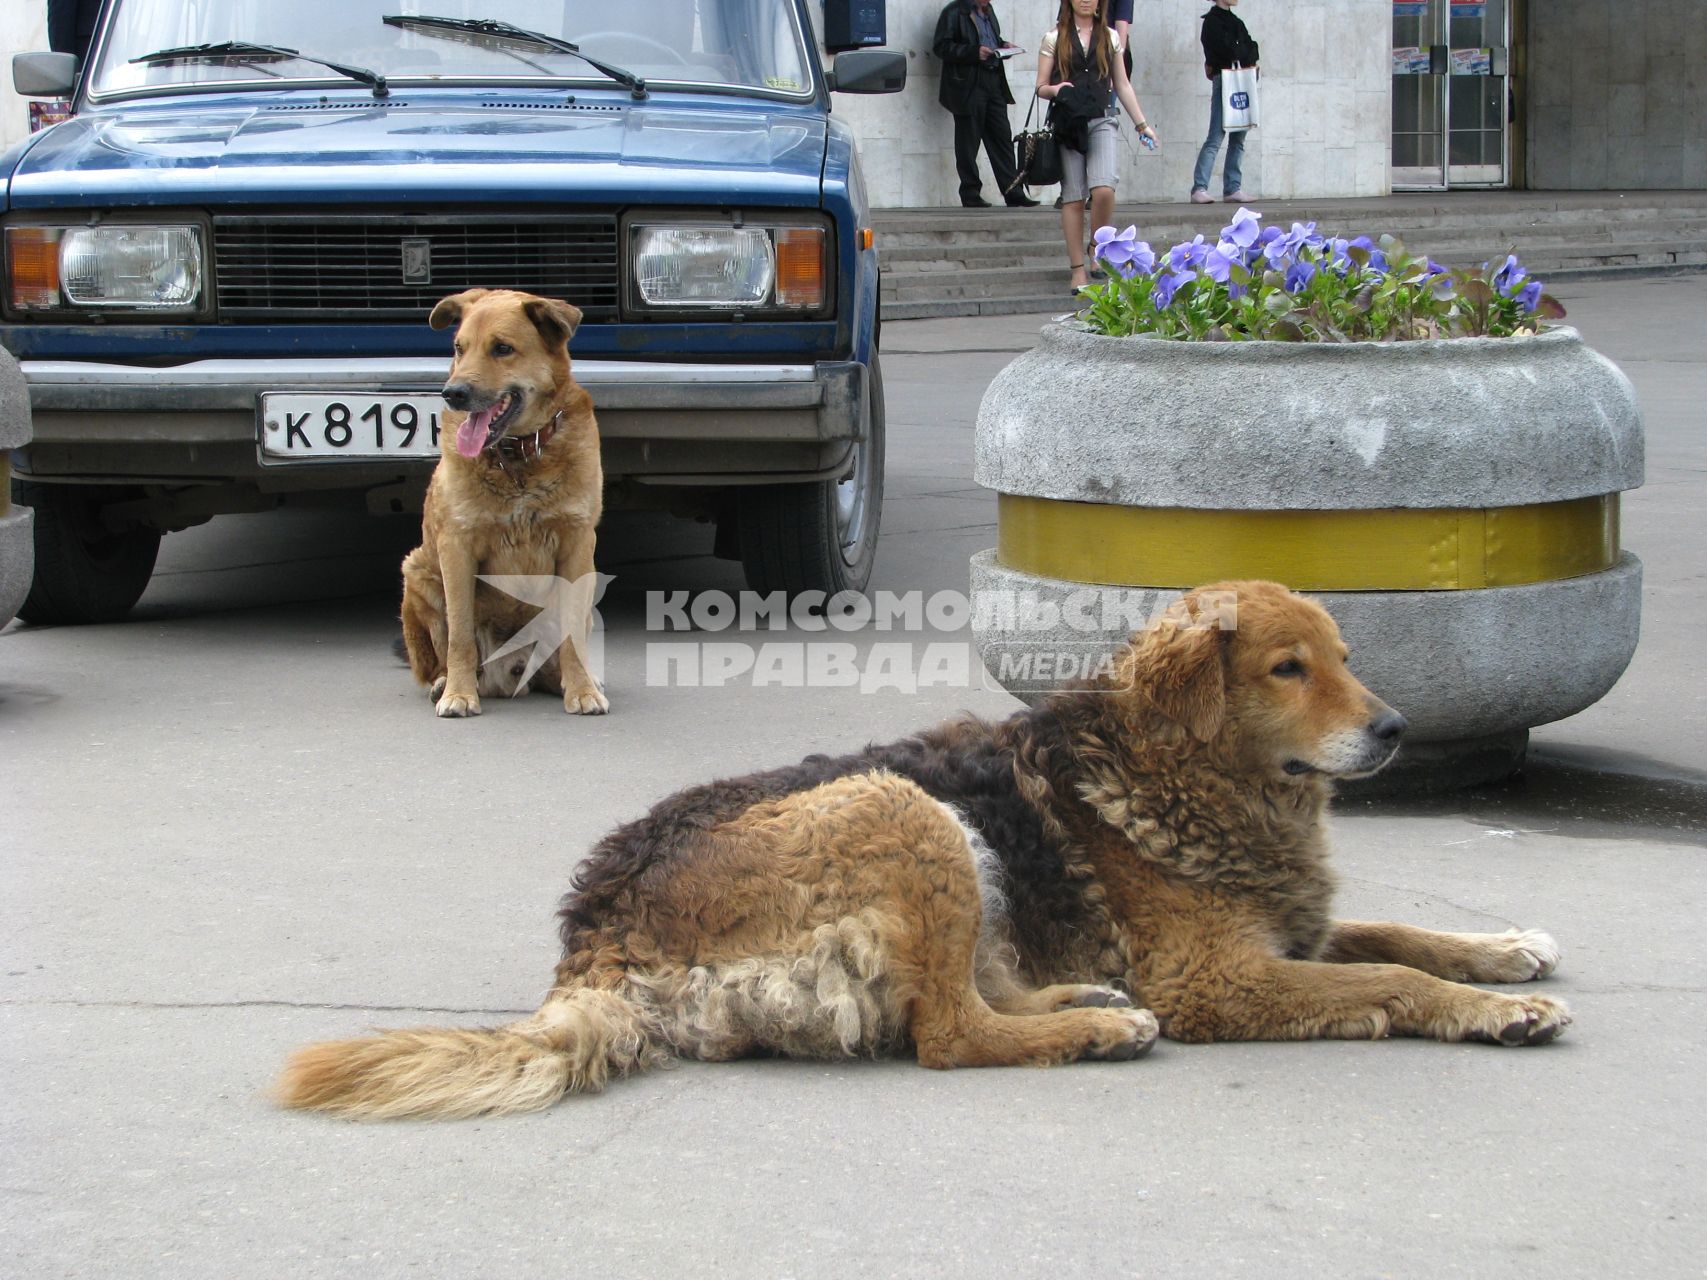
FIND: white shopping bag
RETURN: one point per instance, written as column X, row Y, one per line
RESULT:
column 1239, row 98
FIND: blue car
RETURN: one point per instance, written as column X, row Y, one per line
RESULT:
column 218, row 271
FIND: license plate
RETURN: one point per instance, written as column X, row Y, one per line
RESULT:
column 319, row 428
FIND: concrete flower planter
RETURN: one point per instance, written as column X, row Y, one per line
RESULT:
column 1454, row 503
column 17, row 534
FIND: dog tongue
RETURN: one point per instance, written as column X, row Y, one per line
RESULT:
column 471, row 435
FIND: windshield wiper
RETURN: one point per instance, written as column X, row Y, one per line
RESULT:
column 492, row 29
column 244, row 51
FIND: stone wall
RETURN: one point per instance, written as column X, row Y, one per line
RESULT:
column 1617, row 96
column 23, row 29
column 1326, row 100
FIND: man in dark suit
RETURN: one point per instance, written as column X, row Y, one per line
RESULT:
column 71, row 25
column 975, row 89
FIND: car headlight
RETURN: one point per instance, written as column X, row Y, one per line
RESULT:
column 115, row 265
column 737, row 268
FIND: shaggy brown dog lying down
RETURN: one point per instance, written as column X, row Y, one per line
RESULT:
column 988, row 894
column 518, row 491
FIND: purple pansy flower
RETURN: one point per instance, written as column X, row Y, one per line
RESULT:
column 1243, row 229
column 1189, row 254
column 1169, row 284
column 1529, row 297
column 1123, row 251
column 1218, row 262
column 1510, row 276
column 1299, row 275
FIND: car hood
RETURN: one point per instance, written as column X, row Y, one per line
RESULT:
column 481, row 150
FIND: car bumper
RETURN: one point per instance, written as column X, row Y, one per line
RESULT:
column 659, row 423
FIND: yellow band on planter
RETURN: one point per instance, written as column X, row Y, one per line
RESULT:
column 1394, row 549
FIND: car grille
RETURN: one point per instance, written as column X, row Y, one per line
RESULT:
column 343, row 269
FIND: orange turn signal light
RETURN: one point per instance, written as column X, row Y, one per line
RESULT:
column 866, row 237
column 32, row 267
column 800, row 267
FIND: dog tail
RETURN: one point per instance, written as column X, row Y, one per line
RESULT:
column 575, row 1043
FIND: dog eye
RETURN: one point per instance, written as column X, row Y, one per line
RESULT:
column 503, row 349
column 1291, row 667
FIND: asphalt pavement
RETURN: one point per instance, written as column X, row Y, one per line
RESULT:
column 231, row 825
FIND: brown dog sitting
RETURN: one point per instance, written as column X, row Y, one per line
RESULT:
column 518, row 492
column 1145, row 853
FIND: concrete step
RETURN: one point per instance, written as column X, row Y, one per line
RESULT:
column 1035, row 227
column 1005, row 261
column 1456, row 245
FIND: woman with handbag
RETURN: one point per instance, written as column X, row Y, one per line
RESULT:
column 1079, row 70
column 1226, row 44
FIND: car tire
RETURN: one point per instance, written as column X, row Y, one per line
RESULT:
column 85, row 572
column 820, row 536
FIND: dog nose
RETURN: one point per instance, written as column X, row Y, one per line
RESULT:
column 1388, row 726
column 456, row 395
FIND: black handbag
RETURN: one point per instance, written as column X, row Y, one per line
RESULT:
column 1037, row 155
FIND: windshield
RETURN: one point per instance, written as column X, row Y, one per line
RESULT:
column 748, row 45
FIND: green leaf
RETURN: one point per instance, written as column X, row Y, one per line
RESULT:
column 1477, row 292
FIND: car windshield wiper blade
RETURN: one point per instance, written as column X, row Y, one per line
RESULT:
column 493, row 29
column 245, row 51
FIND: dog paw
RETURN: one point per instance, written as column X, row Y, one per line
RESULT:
column 456, row 706
column 1520, row 955
column 1122, row 1035
column 437, row 690
column 1513, row 1021
column 1100, row 998
column 586, row 701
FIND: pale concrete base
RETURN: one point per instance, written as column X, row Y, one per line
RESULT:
column 1465, row 667
column 17, row 559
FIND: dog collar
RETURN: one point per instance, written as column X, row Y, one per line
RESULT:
column 527, row 448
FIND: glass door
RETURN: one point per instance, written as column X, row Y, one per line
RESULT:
column 1451, row 93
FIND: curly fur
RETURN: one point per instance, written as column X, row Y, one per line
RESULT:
column 983, row 893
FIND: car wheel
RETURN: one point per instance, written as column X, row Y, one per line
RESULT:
column 85, row 571
column 820, row 536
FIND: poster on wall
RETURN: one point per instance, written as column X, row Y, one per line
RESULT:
column 1410, row 61
column 47, row 112
column 1472, row 62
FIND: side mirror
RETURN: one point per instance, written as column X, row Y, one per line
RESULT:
column 868, row 71
column 44, row 75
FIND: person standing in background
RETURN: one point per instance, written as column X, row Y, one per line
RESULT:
column 1118, row 14
column 71, row 25
column 1079, row 71
column 975, row 90
column 1226, row 43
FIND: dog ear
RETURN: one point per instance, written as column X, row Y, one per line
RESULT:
column 449, row 310
column 1178, row 667
column 556, row 321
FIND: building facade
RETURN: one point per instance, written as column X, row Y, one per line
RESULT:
column 1358, row 98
